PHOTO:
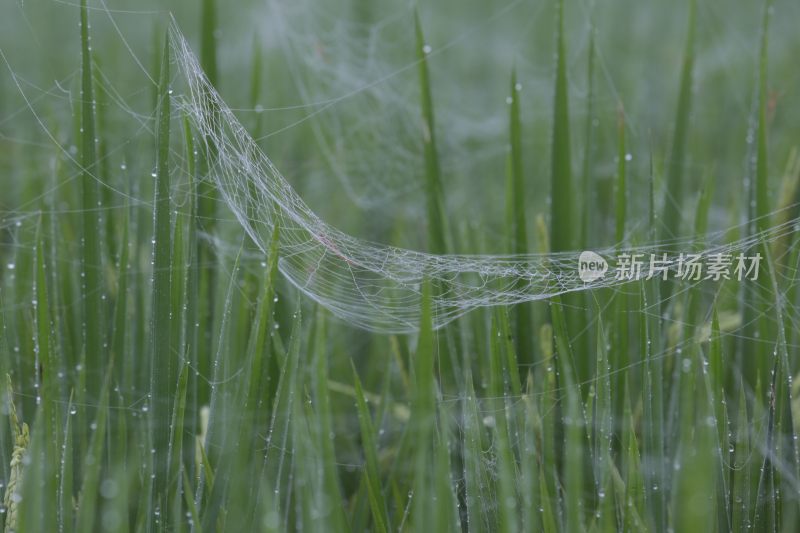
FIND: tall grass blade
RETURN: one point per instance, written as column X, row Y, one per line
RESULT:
column 377, row 503
column 423, row 416
column 93, row 463
column 670, row 218
column 434, row 194
column 92, row 267
column 518, row 236
column 562, row 219
column 163, row 371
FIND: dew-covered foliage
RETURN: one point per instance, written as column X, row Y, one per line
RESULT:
column 317, row 265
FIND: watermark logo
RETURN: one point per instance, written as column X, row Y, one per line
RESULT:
column 591, row 266
column 685, row 267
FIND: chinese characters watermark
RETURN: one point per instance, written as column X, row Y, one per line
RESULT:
column 685, row 267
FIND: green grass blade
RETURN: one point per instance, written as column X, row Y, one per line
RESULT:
column 92, row 267
column 66, row 509
column 588, row 155
column 670, row 218
column 573, row 425
column 121, row 317
column 562, row 221
column 653, row 425
column 278, row 435
column 518, row 235
column 762, row 153
column 621, row 187
column 741, row 482
column 434, row 194
column 507, row 501
column 377, row 503
column 163, row 363
column 474, row 473
column 93, row 463
column 324, row 428
column 563, row 236
column 208, row 40
column 423, row 415
column 173, row 485
column 764, row 296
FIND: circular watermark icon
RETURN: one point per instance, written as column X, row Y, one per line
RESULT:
column 591, row 266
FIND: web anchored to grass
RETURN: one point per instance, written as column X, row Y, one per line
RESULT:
column 378, row 287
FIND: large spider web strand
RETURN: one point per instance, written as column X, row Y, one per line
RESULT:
column 370, row 285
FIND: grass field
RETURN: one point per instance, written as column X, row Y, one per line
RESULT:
column 185, row 346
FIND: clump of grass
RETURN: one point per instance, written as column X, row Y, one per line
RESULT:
column 214, row 397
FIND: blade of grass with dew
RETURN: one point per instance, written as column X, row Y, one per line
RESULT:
column 620, row 357
column 714, row 377
column 621, row 187
column 506, row 493
column 689, row 473
column 178, row 276
column 789, row 448
column 306, row 466
column 530, row 455
column 423, row 415
column 206, row 199
column 653, row 427
column 445, row 496
column 573, row 424
column 603, row 425
column 255, row 87
column 697, row 484
column 377, row 503
column 162, row 367
column 474, row 475
column 548, row 481
column 740, row 474
column 518, row 235
column 438, row 233
column 510, row 361
column 670, row 225
column 253, row 394
column 783, row 457
column 633, row 495
column 27, row 506
column 259, row 348
column 562, row 208
column 561, row 214
column 175, row 449
column 219, row 422
column 670, row 218
column 763, row 291
column 208, row 40
column 64, row 502
column 92, row 281
column 324, row 427
column 191, row 315
column 93, row 463
column 50, row 392
column 437, row 224
column 121, row 316
column 788, row 209
column 107, row 219
column 588, row 158
column 279, row 430
column 116, row 488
